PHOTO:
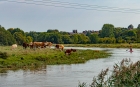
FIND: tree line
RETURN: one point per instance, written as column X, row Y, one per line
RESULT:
column 107, row 35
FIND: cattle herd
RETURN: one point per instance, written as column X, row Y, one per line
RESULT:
column 35, row 45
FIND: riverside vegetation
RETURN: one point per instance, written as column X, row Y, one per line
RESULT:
column 29, row 58
column 121, row 45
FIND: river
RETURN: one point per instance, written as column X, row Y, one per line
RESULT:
column 66, row 75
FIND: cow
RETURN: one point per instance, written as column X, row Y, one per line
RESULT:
column 59, row 46
column 37, row 45
column 49, row 44
column 14, row 46
column 25, row 45
column 68, row 51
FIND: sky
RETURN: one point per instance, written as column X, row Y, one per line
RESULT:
column 68, row 15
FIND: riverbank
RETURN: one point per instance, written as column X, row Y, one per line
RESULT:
column 28, row 58
column 122, row 45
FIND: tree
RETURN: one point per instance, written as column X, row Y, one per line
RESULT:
column 94, row 38
column 44, row 36
column 66, row 39
column 6, row 37
column 33, row 34
column 74, row 38
column 107, row 30
column 83, row 39
column 29, row 39
column 52, row 31
column 13, row 30
column 130, row 26
column 19, row 38
column 55, row 38
column 117, row 32
column 138, row 33
column 138, row 26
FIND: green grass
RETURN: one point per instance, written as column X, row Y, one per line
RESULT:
column 29, row 58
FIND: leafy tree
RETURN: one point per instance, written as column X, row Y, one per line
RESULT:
column 52, row 31
column 131, row 33
column 107, row 30
column 66, row 39
column 44, row 36
column 74, row 38
column 13, row 30
column 94, row 38
column 138, row 33
column 19, row 38
column 117, row 32
column 119, row 40
column 6, row 37
column 64, row 33
column 83, row 39
column 55, row 38
column 33, row 34
column 29, row 39
column 130, row 26
column 138, row 26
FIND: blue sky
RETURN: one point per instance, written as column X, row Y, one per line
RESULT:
column 67, row 15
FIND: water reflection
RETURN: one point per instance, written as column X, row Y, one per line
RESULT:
column 66, row 75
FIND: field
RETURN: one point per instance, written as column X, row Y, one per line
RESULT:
column 29, row 58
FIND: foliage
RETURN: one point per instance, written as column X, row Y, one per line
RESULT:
column 130, row 26
column 107, row 30
column 66, row 39
column 108, row 34
column 5, row 37
column 94, row 38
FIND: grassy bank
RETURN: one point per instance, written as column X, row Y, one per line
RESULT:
column 28, row 58
column 123, row 45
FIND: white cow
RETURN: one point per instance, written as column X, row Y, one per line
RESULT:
column 13, row 46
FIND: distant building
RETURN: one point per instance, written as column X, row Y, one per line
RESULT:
column 74, row 31
column 90, row 31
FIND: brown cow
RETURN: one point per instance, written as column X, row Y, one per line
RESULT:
column 68, row 51
column 38, row 44
column 25, row 45
column 59, row 46
column 49, row 44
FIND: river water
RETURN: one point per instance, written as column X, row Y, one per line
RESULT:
column 66, row 75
